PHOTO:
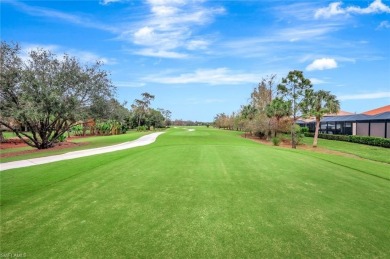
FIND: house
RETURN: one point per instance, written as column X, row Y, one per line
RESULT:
column 379, row 110
column 375, row 123
column 340, row 113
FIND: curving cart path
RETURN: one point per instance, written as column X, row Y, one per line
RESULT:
column 142, row 141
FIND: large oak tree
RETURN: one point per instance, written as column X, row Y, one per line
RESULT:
column 47, row 94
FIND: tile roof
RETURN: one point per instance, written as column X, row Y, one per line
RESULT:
column 379, row 110
column 340, row 113
column 381, row 116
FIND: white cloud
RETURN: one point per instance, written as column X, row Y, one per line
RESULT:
column 218, row 76
column 302, row 11
column 81, row 55
column 129, row 84
column 281, row 44
column 160, row 53
column 27, row 48
column 322, row 64
column 334, row 9
column 90, row 57
column 306, row 57
column 197, row 44
column 168, row 31
column 163, row 33
column 57, row 15
column 375, row 7
column 317, row 81
column 378, row 95
column 384, row 25
column 331, row 10
column 164, row 10
column 106, row 2
column 166, row 2
column 145, row 36
column 305, row 32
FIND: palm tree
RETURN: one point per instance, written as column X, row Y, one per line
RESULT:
column 248, row 111
column 317, row 104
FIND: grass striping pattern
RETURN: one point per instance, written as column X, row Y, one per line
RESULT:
column 205, row 194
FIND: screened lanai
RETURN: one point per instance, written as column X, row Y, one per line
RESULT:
column 357, row 124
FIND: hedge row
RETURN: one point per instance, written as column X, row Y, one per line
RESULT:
column 372, row 141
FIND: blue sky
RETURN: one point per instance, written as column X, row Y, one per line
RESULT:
column 200, row 57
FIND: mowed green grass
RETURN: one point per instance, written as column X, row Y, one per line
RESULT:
column 379, row 154
column 88, row 143
column 201, row 194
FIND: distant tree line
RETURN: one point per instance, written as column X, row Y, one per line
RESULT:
column 274, row 108
column 180, row 122
column 44, row 96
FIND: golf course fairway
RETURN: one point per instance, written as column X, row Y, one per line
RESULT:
column 205, row 193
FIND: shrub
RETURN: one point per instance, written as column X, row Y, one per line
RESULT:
column 61, row 138
column 77, row 129
column 276, row 141
column 141, row 128
column 366, row 140
column 299, row 133
column 104, row 128
column 124, row 128
column 372, row 141
column 304, row 129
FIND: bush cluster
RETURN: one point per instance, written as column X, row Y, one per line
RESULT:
column 276, row 141
column 124, row 128
column 372, row 141
column 300, row 133
column 142, row 128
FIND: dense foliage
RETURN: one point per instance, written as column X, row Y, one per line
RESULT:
column 262, row 116
column 317, row 104
column 274, row 109
column 143, row 117
column 48, row 94
column 294, row 88
column 372, row 141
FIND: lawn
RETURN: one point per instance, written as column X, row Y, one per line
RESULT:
column 202, row 194
column 89, row 142
column 363, row 151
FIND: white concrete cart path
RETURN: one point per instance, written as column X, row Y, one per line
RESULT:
column 142, row 141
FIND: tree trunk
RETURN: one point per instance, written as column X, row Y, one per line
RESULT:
column 84, row 130
column 45, row 144
column 315, row 140
column 2, row 139
column 293, row 142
